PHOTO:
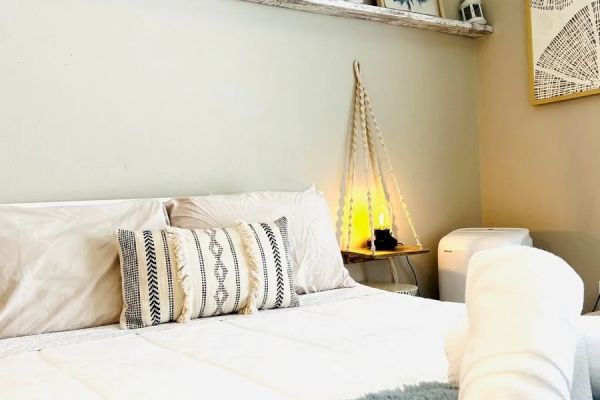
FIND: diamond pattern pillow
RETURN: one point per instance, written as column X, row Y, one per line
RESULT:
column 178, row 274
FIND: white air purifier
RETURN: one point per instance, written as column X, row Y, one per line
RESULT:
column 457, row 247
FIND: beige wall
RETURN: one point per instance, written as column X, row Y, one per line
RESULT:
column 540, row 166
column 139, row 98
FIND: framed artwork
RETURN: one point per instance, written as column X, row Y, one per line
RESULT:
column 431, row 7
column 564, row 54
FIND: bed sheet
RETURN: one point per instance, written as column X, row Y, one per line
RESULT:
column 339, row 344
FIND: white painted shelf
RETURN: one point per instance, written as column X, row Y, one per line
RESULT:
column 341, row 8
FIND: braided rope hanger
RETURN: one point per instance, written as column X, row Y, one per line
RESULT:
column 365, row 124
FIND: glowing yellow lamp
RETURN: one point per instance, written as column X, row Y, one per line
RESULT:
column 384, row 240
column 382, row 212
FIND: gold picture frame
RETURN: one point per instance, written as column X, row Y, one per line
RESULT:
column 557, row 70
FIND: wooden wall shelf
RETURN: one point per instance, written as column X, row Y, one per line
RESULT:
column 341, row 8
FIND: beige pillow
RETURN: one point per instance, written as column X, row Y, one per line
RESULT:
column 59, row 268
column 316, row 259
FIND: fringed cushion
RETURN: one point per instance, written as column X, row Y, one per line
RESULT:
column 178, row 274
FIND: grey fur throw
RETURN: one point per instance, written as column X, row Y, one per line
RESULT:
column 422, row 391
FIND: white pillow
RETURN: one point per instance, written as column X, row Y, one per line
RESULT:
column 316, row 254
column 59, row 268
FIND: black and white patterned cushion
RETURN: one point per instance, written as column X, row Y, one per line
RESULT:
column 177, row 274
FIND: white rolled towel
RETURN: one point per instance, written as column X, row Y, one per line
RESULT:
column 520, row 339
column 456, row 342
column 589, row 328
column 586, row 375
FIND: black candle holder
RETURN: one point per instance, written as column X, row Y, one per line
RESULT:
column 384, row 240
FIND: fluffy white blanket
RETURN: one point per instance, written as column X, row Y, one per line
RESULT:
column 520, row 340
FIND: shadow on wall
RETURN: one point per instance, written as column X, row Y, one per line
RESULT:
column 581, row 251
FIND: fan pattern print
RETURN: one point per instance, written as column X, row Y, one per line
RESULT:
column 569, row 63
column 551, row 4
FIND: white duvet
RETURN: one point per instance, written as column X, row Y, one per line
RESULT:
column 340, row 344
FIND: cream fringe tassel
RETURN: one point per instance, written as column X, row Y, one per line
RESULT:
column 182, row 273
column 253, row 277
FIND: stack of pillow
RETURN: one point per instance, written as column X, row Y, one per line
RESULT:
column 145, row 262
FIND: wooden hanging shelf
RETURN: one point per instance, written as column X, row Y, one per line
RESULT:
column 341, row 8
column 363, row 254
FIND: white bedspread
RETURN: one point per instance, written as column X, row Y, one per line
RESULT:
column 340, row 344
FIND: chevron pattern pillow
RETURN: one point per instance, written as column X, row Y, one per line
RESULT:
column 178, row 274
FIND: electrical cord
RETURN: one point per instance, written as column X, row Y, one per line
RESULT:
column 415, row 276
column 596, row 305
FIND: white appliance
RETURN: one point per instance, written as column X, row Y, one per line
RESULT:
column 457, row 247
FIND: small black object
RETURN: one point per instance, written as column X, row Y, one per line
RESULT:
column 384, row 240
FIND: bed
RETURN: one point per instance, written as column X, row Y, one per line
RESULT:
column 69, row 272
column 61, row 294
column 340, row 344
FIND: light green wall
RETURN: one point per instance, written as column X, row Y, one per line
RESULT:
column 132, row 98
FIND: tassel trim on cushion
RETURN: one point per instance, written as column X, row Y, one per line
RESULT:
column 253, row 273
column 182, row 274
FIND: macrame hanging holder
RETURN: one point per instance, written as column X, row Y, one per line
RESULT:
column 366, row 129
